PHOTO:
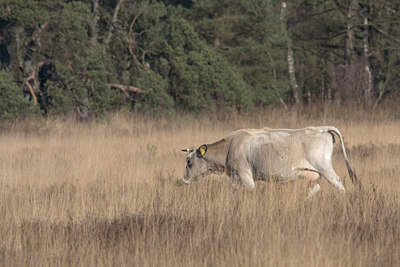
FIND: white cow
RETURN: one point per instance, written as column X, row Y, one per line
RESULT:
column 281, row 154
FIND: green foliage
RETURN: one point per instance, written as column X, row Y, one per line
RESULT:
column 103, row 98
column 25, row 12
column 61, row 102
column 247, row 35
column 194, row 55
column 200, row 79
column 12, row 103
column 155, row 92
column 71, row 32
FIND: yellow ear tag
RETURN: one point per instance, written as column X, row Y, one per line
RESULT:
column 202, row 152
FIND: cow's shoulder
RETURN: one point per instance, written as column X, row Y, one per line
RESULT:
column 241, row 135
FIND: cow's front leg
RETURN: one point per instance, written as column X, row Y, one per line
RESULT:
column 245, row 176
column 247, row 179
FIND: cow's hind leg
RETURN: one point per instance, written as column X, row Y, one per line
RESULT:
column 313, row 189
column 334, row 179
column 325, row 168
column 312, row 178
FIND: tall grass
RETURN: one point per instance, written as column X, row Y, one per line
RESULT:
column 106, row 194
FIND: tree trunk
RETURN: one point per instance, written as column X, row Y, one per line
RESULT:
column 4, row 55
column 113, row 21
column 332, row 87
column 349, row 46
column 19, row 43
column 350, row 77
column 83, row 106
column 290, row 59
column 368, row 79
column 292, row 75
column 94, row 30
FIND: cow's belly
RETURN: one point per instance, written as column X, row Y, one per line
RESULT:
column 279, row 161
column 284, row 172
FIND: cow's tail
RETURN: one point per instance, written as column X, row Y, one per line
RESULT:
column 352, row 174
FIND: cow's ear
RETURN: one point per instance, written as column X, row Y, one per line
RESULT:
column 201, row 151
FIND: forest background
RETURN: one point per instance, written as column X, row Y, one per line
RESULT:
column 89, row 58
column 108, row 193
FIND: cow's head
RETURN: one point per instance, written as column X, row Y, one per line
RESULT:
column 196, row 165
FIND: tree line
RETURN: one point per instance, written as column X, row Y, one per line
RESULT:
column 91, row 57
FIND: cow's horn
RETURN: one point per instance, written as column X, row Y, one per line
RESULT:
column 188, row 150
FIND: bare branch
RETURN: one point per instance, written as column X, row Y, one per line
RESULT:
column 130, row 48
column 31, row 77
column 133, row 22
column 384, row 33
column 144, row 52
column 131, row 39
column 126, row 89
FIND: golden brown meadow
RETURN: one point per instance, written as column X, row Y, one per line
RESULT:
column 105, row 194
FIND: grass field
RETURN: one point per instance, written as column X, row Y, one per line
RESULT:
column 105, row 194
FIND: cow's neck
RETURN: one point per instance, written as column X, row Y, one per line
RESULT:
column 216, row 155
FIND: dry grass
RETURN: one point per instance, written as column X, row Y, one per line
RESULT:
column 106, row 194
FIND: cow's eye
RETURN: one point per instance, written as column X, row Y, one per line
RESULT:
column 189, row 162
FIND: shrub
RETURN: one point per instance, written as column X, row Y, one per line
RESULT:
column 13, row 105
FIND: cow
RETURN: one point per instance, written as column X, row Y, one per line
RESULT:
column 280, row 155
